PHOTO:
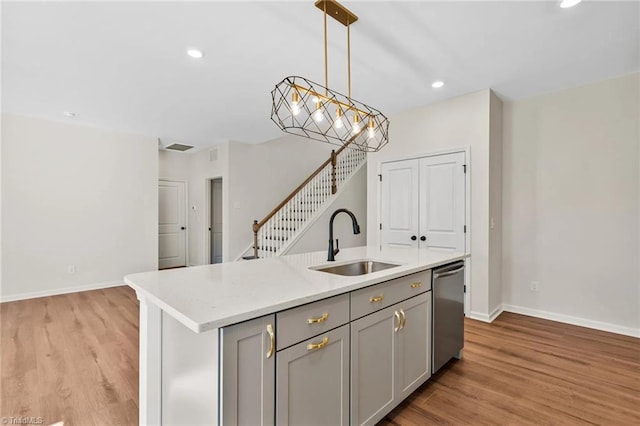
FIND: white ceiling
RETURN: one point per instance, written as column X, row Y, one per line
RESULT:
column 124, row 66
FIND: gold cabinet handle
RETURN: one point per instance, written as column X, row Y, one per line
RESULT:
column 375, row 299
column 323, row 318
column 416, row 285
column 397, row 327
column 272, row 340
column 314, row 346
column 404, row 319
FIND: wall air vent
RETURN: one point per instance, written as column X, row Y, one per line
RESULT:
column 179, row 147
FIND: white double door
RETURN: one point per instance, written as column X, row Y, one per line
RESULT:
column 423, row 202
column 172, row 234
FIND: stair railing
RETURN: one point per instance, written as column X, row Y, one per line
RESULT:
column 319, row 175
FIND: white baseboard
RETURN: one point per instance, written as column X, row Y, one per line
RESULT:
column 583, row 322
column 484, row 317
column 66, row 290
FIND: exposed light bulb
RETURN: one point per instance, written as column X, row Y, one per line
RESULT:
column 565, row 4
column 338, row 123
column 295, row 103
column 355, row 129
column 437, row 84
column 371, row 129
column 318, row 116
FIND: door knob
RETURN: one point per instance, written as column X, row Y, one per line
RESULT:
column 423, row 238
column 183, row 228
column 413, row 238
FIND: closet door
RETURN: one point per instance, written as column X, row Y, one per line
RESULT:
column 399, row 203
column 442, row 201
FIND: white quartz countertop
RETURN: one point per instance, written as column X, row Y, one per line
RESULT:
column 212, row 296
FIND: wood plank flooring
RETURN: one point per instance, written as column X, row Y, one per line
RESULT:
column 521, row 370
column 71, row 358
column 74, row 358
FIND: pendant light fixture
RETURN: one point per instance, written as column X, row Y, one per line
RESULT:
column 308, row 109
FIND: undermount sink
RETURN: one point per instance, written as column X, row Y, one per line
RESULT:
column 360, row 267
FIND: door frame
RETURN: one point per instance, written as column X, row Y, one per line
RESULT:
column 467, row 214
column 187, row 263
column 207, row 223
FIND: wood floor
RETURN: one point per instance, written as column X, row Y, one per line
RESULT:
column 74, row 358
column 521, row 370
column 71, row 358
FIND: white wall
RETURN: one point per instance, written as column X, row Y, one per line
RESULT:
column 455, row 123
column 197, row 169
column 353, row 196
column 260, row 176
column 570, row 205
column 76, row 196
column 255, row 179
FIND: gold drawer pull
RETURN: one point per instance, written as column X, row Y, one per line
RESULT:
column 416, row 285
column 323, row 318
column 375, row 299
column 272, row 341
column 314, row 346
column 404, row 319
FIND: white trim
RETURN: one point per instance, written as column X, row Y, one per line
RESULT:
column 207, row 223
column 66, row 290
column 568, row 319
column 186, row 217
column 487, row 318
column 428, row 154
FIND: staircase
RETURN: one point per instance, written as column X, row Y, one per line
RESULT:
column 276, row 233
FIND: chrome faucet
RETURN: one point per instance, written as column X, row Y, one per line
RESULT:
column 356, row 230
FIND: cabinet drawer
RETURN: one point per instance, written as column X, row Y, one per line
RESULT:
column 304, row 322
column 376, row 297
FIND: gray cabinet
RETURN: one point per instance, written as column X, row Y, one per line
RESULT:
column 312, row 384
column 373, row 342
column 390, row 357
column 413, row 362
column 247, row 373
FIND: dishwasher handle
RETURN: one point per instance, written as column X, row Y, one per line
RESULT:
column 447, row 273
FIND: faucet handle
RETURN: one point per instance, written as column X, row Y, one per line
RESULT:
column 337, row 247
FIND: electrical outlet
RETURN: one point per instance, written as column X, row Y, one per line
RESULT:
column 71, row 269
column 535, row 286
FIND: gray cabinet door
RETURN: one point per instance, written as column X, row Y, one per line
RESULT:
column 413, row 363
column 248, row 373
column 312, row 386
column 373, row 347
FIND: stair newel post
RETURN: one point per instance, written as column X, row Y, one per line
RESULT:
column 334, row 187
column 255, row 238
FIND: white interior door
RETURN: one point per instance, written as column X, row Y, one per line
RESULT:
column 442, row 201
column 172, row 224
column 399, row 203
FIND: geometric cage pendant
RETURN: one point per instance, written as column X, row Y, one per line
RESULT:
column 304, row 108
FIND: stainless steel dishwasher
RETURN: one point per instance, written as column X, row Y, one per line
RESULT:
column 448, row 314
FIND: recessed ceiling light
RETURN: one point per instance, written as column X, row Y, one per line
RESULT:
column 437, row 84
column 195, row 53
column 569, row 3
column 69, row 114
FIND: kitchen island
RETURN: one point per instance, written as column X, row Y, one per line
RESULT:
column 271, row 340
